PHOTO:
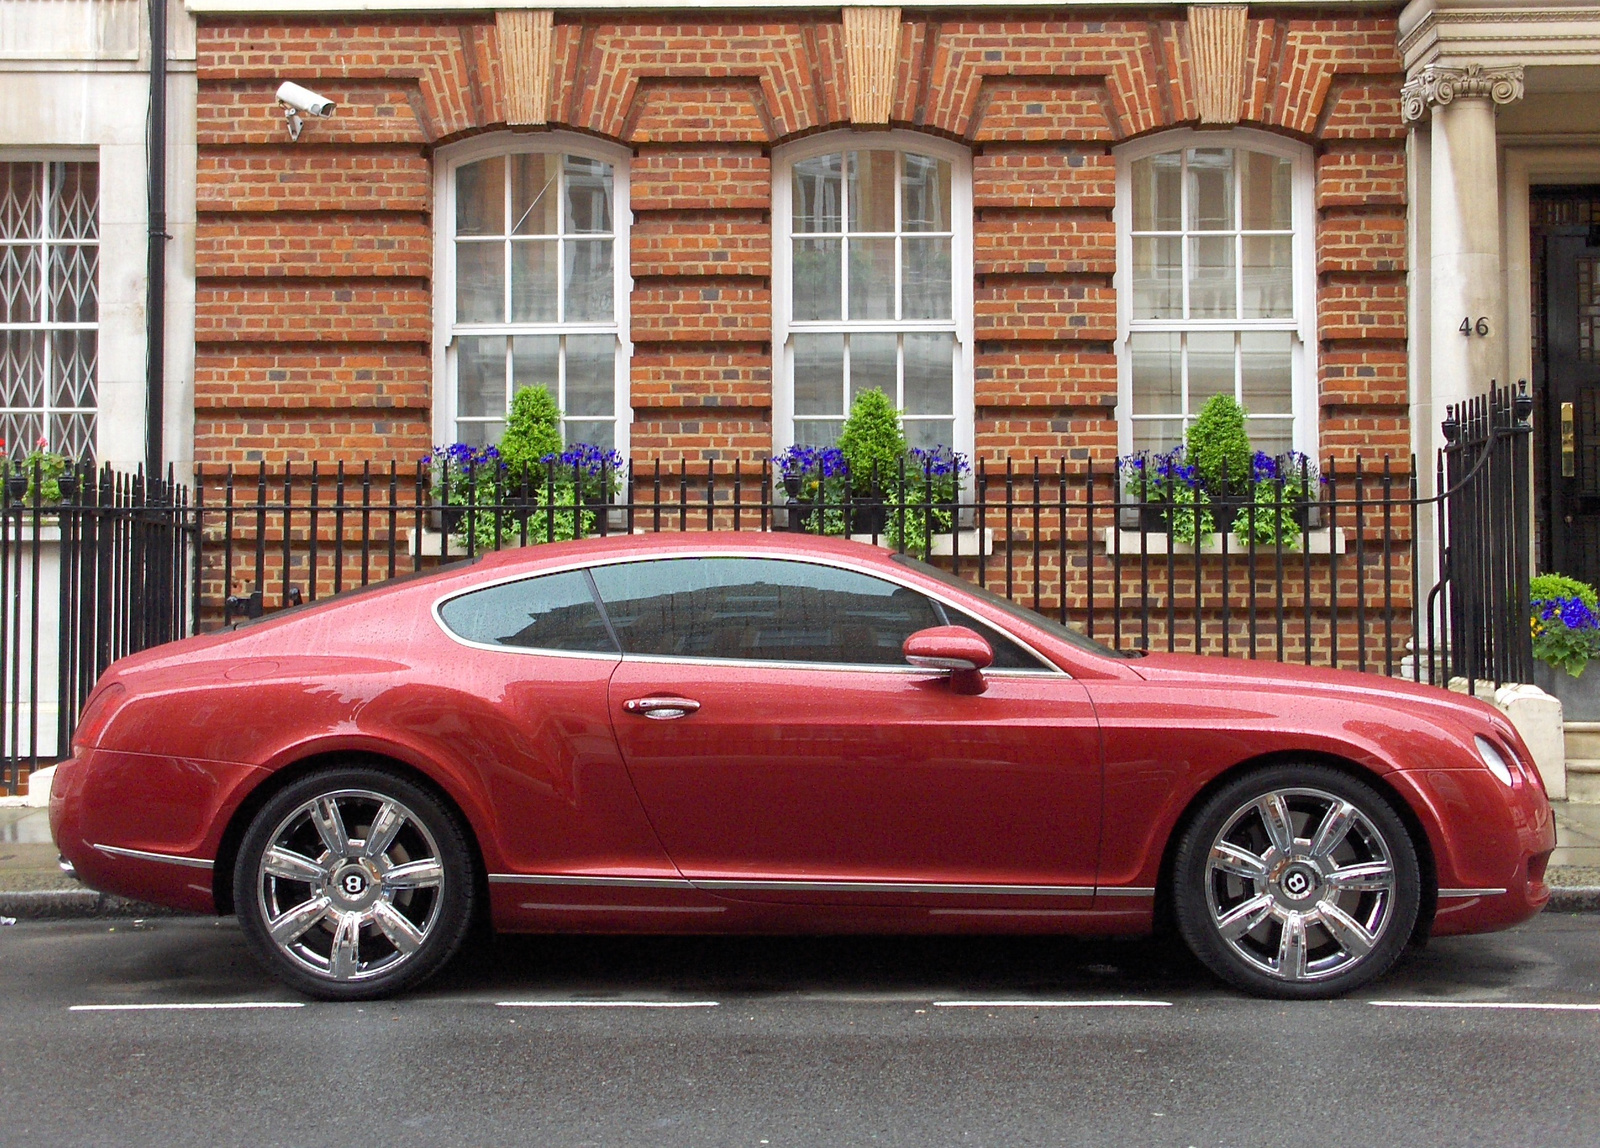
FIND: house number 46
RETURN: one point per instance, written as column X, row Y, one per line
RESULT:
column 1468, row 327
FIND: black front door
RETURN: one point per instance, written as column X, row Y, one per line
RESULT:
column 1571, row 424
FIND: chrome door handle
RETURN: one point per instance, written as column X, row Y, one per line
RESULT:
column 661, row 709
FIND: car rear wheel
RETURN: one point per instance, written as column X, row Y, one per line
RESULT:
column 353, row 883
column 1297, row 881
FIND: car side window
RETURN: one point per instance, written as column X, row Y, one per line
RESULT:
column 761, row 609
column 550, row 612
column 1008, row 653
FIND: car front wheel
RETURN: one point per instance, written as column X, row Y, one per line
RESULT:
column 353, row 883
column 1297, row 881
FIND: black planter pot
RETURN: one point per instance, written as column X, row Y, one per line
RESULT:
column 1146, row 518
column 446, row 519
column 800, row 514
column 868, row 515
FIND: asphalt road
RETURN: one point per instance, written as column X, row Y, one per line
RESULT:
column 812, row 1042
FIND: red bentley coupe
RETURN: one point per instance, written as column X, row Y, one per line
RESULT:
column 774, row 733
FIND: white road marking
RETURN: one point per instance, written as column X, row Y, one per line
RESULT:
column 1052, row 1004
column 183, row 1007
column 1488, row 1004
column 607, row 1004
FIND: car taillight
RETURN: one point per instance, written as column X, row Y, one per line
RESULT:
column 92, row 721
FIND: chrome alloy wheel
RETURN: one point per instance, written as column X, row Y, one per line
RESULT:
column 350, row 885
column 1300, row 884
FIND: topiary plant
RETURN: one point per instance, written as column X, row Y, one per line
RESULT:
column 1552, row 587
column 1218, row 446
column 873, row 442
column 532, row 434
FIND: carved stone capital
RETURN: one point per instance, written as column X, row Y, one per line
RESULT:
column 1437, row 86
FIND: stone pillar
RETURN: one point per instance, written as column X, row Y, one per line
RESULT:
column 1464, row 273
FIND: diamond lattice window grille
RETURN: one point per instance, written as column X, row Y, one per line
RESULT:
column 49, row 306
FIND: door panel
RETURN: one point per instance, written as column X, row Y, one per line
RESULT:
column 1572, row 412
column 821, row 775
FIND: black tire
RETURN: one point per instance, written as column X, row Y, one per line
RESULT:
column 1301, row 926
column 377, row 918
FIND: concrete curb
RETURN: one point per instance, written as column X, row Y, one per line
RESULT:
column 70, row 904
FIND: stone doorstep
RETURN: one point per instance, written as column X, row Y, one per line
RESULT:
column 1583, row 780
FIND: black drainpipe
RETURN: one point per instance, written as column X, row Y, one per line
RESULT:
column 156, row 270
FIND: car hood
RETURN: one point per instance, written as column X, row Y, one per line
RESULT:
column 1372, row 688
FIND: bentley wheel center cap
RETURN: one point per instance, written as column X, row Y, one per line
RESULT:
column 352, row 884
column 1298, row 882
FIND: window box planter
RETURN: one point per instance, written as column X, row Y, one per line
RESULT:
column 1579, row 697
column 1315, row 541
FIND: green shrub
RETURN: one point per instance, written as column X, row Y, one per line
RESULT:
column 873, row 442
column 1547, row 587
column 532, row 434
column 1218, row 446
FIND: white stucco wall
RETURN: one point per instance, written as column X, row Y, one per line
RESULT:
column 74, row 83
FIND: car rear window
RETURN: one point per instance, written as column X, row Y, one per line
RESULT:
column 549, row 612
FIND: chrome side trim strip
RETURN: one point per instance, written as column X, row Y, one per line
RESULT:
column 900, row 887
column 1443, row 893
column 726, row 885
column 568, row 879
column 544, row 906
column 146, row 855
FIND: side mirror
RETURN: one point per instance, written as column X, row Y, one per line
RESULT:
column 963, row 652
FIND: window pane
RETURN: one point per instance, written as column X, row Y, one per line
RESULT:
column 20, row 188
column 534, row 360
column 72, row 382
column 1211, row 189
column 588, row 195
column 22, row 375
column 1266, row 372
column 930, row 375
column 480, row 433
column 925, row 279
column 926, row 433
column 1265, row 189
column 1157, row 372
column 481, row 375
column 925, row 194
column 816, row 193
column 591, row 285
column 74, row 283
column 1158, row 278
column 1210, row 367
column 481, row 282
column 75, row 200
column 1268, row 277
column 1157, row 435
column 534, row 196
column 1211, row 284
column 760, row 608
column 597, row 432
column 73, row 435
column 873, row 365
column 871, row 191
column 591, row 375
column 816, row 279
column 1273, row 436
column 556, row 612
column 533, row 280
column 819, row 375
column 872, row 278
column 481, row 197
column 21, row 296
column 817, row 432
column 1157, row 193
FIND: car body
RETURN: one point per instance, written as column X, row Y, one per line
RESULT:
column 739, row 768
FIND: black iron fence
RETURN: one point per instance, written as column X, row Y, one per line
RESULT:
column 1327, row 571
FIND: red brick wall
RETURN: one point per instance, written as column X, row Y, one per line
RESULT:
column 313, row 259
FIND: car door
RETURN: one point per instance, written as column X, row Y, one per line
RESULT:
column 784, row 750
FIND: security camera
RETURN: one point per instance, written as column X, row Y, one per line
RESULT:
column 296, row 99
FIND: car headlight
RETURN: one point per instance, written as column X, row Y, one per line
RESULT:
column 1494, row 759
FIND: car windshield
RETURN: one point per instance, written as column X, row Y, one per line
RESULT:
column 1032, row 617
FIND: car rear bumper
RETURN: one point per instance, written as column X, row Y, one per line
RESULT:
column 144, row 826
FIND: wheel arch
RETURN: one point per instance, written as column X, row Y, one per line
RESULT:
column 1164, row 919
column 275, row 782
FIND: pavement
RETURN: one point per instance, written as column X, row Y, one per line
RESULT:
column 165, row 1032
column 33, row 886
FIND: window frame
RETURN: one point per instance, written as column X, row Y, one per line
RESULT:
column 1303, row 323
column 445, row 349
column 44, row 157
column 961, row 274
